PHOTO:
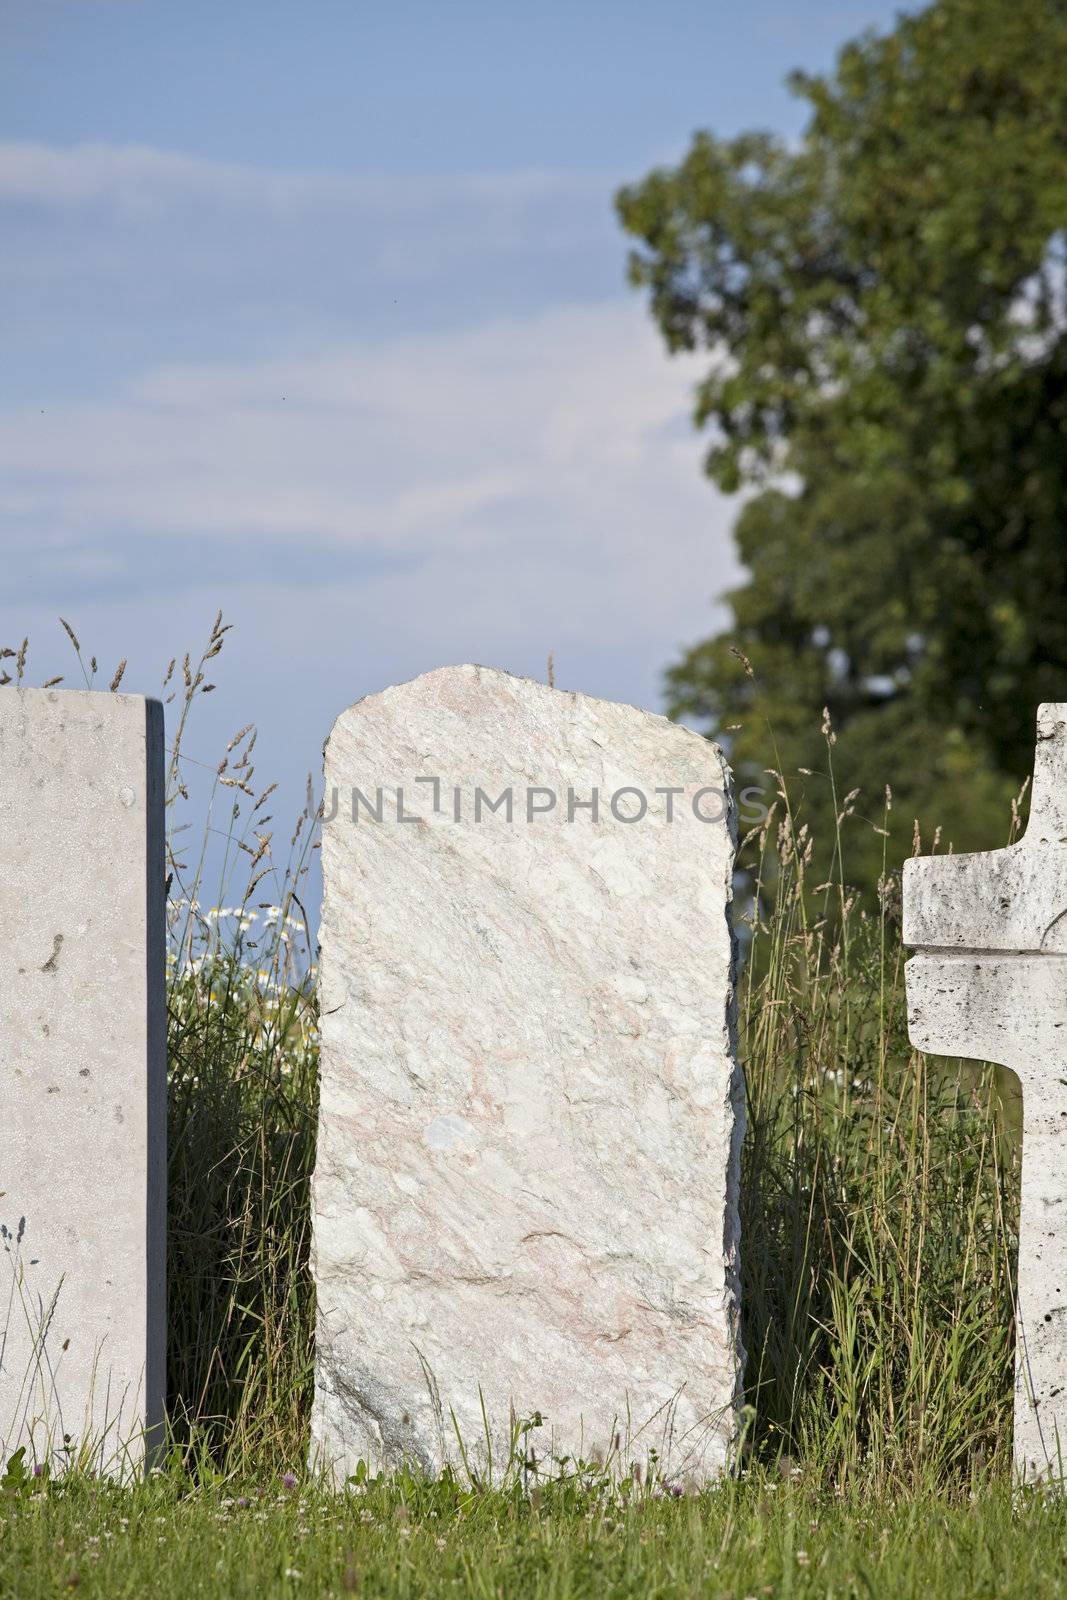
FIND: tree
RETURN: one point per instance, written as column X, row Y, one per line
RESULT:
column 884, row 309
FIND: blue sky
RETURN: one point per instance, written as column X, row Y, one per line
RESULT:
column 317, row 313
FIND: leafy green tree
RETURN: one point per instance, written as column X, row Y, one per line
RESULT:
column 885, row 315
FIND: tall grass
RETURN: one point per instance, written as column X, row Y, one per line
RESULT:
column 242, row 1105
column 879, row 1189
column 879, row 1194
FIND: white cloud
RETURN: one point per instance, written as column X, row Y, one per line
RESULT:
column 573, row 417
column 539, row 470
column 115, row 256
column 497, row 470
column 142, row 178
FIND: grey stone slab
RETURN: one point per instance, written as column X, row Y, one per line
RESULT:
column 989, row 982
column 525, row 1199
column 83, row 1052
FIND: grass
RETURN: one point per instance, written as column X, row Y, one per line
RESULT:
column 879, row 1220
column 882, row 1189
column 755, row 1537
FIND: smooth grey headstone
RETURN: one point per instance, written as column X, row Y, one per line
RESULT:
column 989, row 982
column 525, row 1197
column 83, row 1053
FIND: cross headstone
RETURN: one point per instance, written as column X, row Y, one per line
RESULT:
column 525, row 1198
column 989, row 982
column 83, row 1046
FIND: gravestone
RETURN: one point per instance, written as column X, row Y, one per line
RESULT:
column 83, row 1047
column 525, row 1198
column 989, row 982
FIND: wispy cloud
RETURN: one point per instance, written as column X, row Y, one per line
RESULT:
column 227, row 396
column 526, row 470
column 566, row 429
column 117, row 257
column 142, row 178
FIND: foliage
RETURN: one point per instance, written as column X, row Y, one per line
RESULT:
column 884, row 311
column 242, row 1105
column 879, row 1196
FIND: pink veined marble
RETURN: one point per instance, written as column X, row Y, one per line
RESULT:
column 525, row 1200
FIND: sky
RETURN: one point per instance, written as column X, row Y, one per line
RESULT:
column 317, row 313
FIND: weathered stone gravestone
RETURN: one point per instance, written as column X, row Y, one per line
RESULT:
column 525, row 1195
column 83, row 1044
column 990, row 982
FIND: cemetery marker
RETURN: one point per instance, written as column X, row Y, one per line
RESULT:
column 525, row 1197
column 83, row 1040
column 989, row 982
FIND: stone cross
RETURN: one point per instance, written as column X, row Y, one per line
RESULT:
column 525, row 1197
column 989, row 982
column 83, row 1047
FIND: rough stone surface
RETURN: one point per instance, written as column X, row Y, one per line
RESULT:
column 525, row 1197
column 990, row 982
column 83, row 1046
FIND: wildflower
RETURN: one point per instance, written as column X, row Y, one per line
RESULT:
column 289, row 1480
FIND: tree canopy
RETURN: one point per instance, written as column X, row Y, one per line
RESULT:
column 884, row 311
